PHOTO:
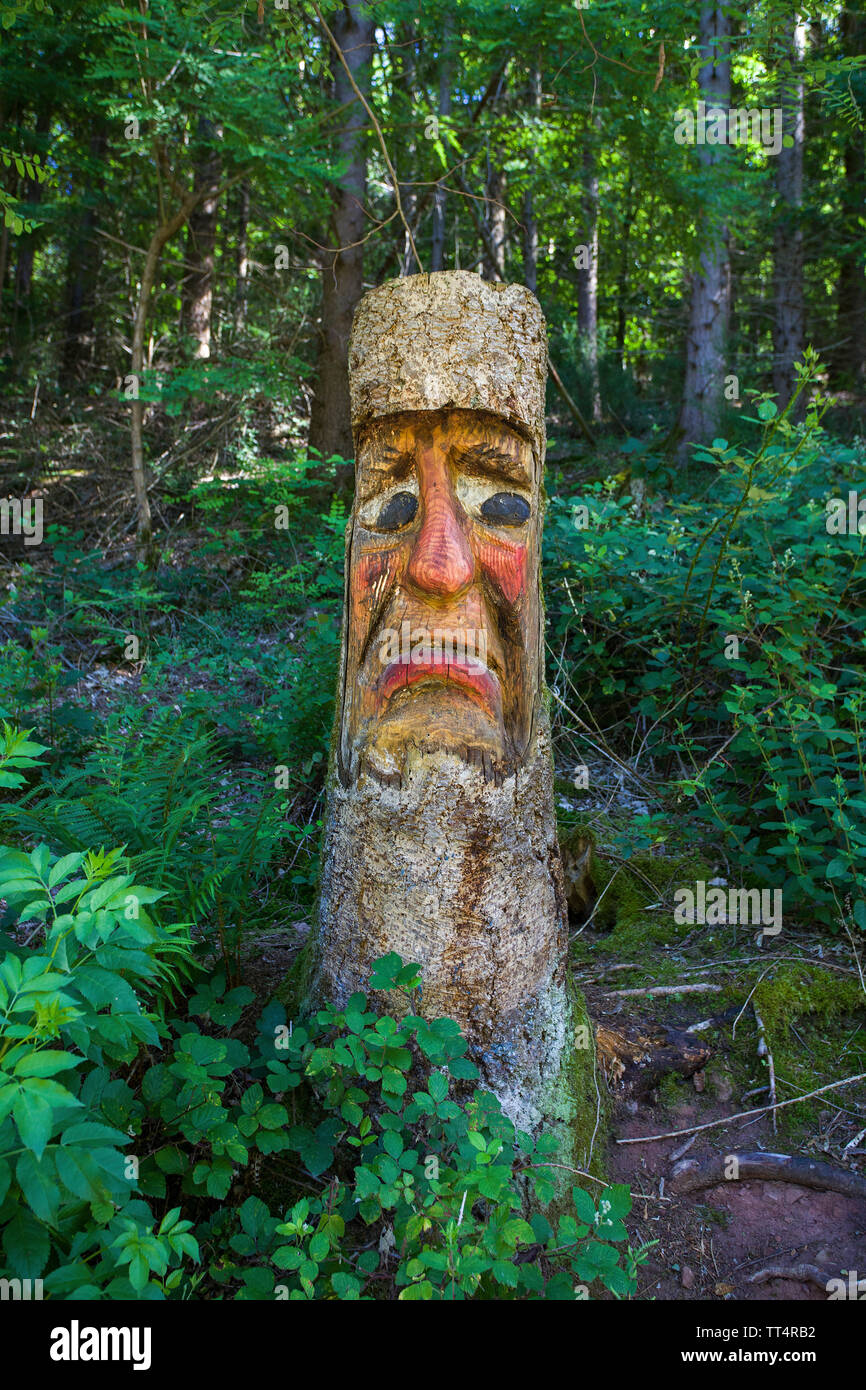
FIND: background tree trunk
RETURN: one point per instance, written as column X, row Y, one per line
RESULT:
column 622, row 283
column 587, row 276
column 849, row 356
column 530, row 221
column 242, row 264
column 494, row 264
column 82, row 270
column 437, row 252
column 342, row 272
column 197, row 298
column 706, row 335
column 789, row 323
column 32, row 193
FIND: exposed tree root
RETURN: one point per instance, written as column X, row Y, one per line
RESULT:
column 691, row 1175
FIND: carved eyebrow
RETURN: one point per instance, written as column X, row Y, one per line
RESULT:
column 398, row 462
column 487, row 458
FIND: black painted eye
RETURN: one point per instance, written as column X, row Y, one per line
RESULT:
column 398, row 511
column 505, row 509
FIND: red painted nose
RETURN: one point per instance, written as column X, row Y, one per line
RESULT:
column 441, row 561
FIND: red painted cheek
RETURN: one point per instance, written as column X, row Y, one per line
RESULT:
column 375, row 574
column 506, row 565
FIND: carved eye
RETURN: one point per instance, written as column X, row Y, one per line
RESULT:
column 505, row 509
column 398, row 511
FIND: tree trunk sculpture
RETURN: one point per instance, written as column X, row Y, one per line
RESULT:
column 440, row 840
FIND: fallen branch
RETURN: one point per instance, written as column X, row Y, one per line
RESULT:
column 804, row 1274
column 572, row 405
column 664, row 989
column 691, row 1175
column 764, row 1051
column 745, row 1114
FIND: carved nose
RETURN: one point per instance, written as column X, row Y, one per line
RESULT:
column 441, row 561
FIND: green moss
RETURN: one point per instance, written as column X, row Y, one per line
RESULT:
column 798, row 990
column 576, row 1113
column 624, row 889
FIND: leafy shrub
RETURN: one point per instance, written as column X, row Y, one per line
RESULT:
column 385, row 1125
column 645, row 600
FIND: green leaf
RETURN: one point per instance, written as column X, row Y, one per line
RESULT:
column 35, row 1120
column 438, row 1085
column 46, row 1063
column 27, row 1245
column 38, row 1182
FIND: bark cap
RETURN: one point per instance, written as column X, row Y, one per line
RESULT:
column 450, row 339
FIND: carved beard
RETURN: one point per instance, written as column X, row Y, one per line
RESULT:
column 442, row 646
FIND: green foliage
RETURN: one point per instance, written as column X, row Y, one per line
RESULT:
column 770, row 738
column 440, row 1179
column 155, row 790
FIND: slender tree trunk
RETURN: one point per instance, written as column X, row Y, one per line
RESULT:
column 437, row 253
column 622, row 282
column 587, row 277
column 162, row 234
column 405, row 63
column 342, row 271
column 494, row 265
column 83, row 268
column 706, row 336
column 197, row 297
column 849, row 357
column 789, row 324
column 242, row 263
column 27, row 241
column 530, row 221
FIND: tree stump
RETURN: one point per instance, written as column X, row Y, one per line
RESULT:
column 440, row 840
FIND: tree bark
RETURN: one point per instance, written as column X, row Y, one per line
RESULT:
column 706, row 336
column 789, row 322
column 197, row 296
column 342, row 271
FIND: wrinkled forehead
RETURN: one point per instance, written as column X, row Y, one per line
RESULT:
column 393, row 447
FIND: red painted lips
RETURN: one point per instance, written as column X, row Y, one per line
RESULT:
column 399, row 675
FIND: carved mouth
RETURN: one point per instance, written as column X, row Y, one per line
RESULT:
column 481, row 684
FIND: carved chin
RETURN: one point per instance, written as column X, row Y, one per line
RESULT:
column 428, row 718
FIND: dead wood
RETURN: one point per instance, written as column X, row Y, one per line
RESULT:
column 692, row 1175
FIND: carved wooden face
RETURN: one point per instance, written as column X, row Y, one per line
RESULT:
column 443, row 621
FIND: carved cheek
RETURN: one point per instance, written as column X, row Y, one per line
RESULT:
column 506, row 564
column 373, row 578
